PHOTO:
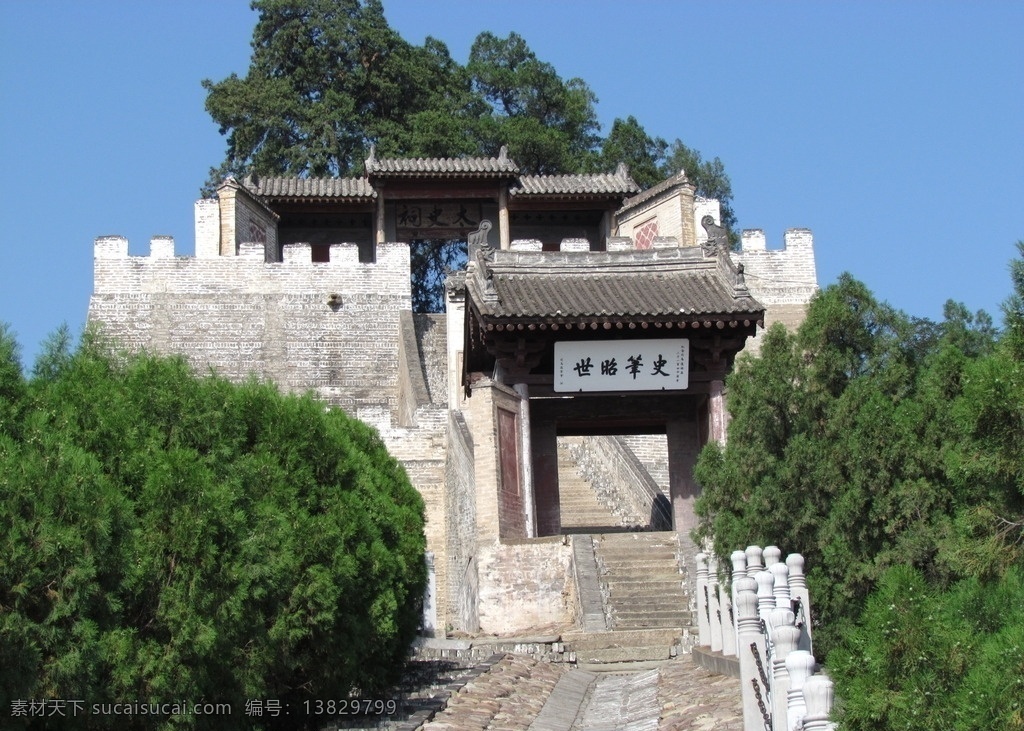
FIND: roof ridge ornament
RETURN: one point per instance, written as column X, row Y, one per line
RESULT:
column 739, row 288
column 718, row 237
column 478, row 239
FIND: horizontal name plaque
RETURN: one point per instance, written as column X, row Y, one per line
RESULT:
column 622, row 365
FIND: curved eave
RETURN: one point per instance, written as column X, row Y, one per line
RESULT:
column 443, row 175
column 697, row 324
column 271, row 199
column 519, row 198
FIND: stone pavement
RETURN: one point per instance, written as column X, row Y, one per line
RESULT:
column 506, row 698
column 693, row 699
column 523, row 694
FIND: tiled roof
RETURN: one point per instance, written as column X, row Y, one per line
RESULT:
column 442, row 166
column 311, row 188
column 654, row 191
column 676, row 283
column 617, row 183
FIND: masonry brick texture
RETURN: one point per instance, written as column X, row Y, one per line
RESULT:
column 242, row 316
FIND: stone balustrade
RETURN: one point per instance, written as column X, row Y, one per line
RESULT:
column 759, row 613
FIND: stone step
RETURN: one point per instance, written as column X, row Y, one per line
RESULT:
column 627, row 549
column 664, row 566
column 619, row 638
column 653, row 619
column 634, row 540
column 636, row 609
column 645, row 602
column 625, row 654
column 637, row 561
column 642, row 584
column 660, row 581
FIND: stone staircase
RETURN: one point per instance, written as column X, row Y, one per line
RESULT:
column 634, row 607
column 641, row 581
column 581, row 509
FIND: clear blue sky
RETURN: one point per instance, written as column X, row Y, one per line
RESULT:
column 893, row 130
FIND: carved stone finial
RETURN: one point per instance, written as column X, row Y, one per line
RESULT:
column 372, row 158
column 503, row 153
column 718, row 237
column 739, row 563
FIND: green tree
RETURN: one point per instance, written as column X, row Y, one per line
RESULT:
column 12, row 383
column 887, row 450
column 326, row 80
column 329, row 78
column 923, row 657
column 846, row 444
column 628, row 143
column 169, row 537
column 549, row 125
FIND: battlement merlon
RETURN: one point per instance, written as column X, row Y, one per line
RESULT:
column 116, row 272
column 753, row 239
column 779, row 276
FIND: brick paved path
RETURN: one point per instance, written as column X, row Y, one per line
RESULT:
column 521, row 694
column 506, row 698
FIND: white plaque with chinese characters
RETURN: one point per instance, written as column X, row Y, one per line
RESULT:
column 622, row 365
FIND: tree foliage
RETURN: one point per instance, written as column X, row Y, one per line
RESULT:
column 926, row 658
column 170, row 537
column 330, row 78
column 888, row 451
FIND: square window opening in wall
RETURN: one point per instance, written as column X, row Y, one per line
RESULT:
column 321, row 253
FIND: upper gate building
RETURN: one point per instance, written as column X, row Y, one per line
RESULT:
column 566, row 391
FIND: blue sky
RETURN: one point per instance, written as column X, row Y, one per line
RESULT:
column 893, row 130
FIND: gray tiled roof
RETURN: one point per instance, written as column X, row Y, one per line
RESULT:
column 654, row 191
column 442, row 166
column 311, row 188
column 617, row 183
column 679, row 283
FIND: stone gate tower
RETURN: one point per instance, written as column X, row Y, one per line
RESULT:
column 588, row 310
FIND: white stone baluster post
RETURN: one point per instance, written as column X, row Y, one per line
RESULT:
column 784, row 638
column 798, row 591
column 728, row 622
column 800, row 665
column 755, row 561
column 780, row 585
column 772, row 555
column 765, row 593
column 714, row 608
column 751, row 652
column 739, row 571
column 818, row 696
column 703, row 624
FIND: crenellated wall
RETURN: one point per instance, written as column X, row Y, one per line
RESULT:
column 784, row 280
column 242, row 316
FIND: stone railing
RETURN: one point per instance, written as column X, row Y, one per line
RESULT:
column 764, row 621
